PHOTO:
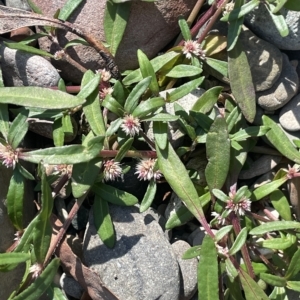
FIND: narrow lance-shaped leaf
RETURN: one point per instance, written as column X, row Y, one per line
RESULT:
column 208, row 283
column 58, row 133
column 149, row 196
column 15, row 196
column 160, row 131
column 184, row 27
column 278, row 20
column 148, row 106
column 281, row 204
column 18, row 129
column 239, row 242
column 218, row 153
column 103, row 222
column 274, row 226
column 181, row 71
column 13, row 258
column 68, row 9
column 241, row 82
column 240, row 11
column 4, row 120
column 294, row 266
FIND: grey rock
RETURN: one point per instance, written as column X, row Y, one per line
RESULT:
column 142, row 264
column 260, row 22
column 23, row 69
column 188, row 270
column 196, row 237
column 175, row 133
column 265, row 60
column 265, row 178
column 71, row 286
column 21, row 4
column 140, row 30
column 260, row 166
column 289, row 116
column 282, row 91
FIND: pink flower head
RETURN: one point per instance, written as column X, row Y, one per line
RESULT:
column 191, row 48
column 240, row 207
column 131, row 125
column 112, row 170
column 145, row 171
column 8, row 156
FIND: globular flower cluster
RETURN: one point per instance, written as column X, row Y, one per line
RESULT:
column 131, row 125
column 191, row 48
column 145, row 170
column 112, row 170
column 240, row 207
column 8, row 156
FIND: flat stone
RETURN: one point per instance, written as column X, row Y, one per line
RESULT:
column 20, row 4
column 289, row 116
column 261, row 166
column 175, row 133
column 142, row 32
column 24, row 69
column 260, row 22
column 283, row 90
column 265, row 60
column 71, row 286
column 188, row 270
column 142, row 265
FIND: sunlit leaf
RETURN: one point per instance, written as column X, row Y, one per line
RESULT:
column 68, row 9
column 274, row 226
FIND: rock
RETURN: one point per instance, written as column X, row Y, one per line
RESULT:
column 188, row 270
column 289, row 115
column 71, row 286
column 282, row 91
column 139, row 31
column 175, row 133
column 261, row 166
column 20, row 4
column 197, row 236
column 260, row 22
column 263, row 179
column 265, row 60
column 142, row 264
column 24, row 69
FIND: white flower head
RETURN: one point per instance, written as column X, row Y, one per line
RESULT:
column 240, row 207
column 112, row 170
column 105, row 75
column 145, row 170
column 131, row 125
column 191, row 48
column 8, row 156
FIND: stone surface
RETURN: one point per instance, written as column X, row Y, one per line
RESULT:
column 261, row 166
column 188, row 270
column 21, row 4
column 260, row 22
column 24, row 69
column 142, row 264
column 175, row 133
column 142, row 32
column 71, row 286
column 289, row 116
column 282, row 91
column 265, row 60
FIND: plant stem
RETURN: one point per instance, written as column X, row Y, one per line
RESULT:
column 130, row 153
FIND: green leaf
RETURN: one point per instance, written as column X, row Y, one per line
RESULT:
column 277, row 243
column 4, row 120
column 58, row 133
column 208, row 283
column 14, row 198
column 72, row 154
column 43, row 229
column 92, row 108
column 181, row 71
column 84, row 176
column 18, row 130
column 76, row 42
column 28, row 49
column 281, row 204
column 114, row 126
column 192, row 252
column 218, row 65
column 149, row 196
column 202, row 120
column 119, row 93
column 124, row 149
column 24, row 172
column 233, row 118
column 113, row 105
column 38, row 97
column 293, row 285
column 115, row 21
column 207, row 101
column 13, row 258
column 160, row 131
column 268, row 188
column 274, row 226
column 147, row 70
column 68, row 9
column 252, row 131
column 241, row 82
column 218, row 154
column 184, row 27
column 133, row 98
column 162, row 117
column 40, row 285
column 278, row 6
column 239, row 12
column 176, row 175
column 147, row 107
column 103, row 222
column 231, row 269
column 114, row 195
column 278, row 20
column 251, row 289
column 239, row 242
column 222, row 232
column 280, row 141
column 184, row 89
column 90, row 82
column 292, row 5
column 273, row 280
column 294, row 266
column 220, row 195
